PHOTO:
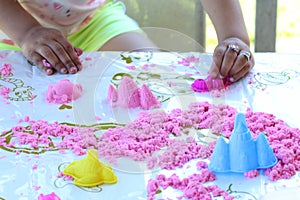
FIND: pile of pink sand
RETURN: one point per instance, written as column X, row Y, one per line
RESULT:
column 5, row 69
column 4, row 91
column 63, row 92
column 193, row 187
column 129, row 95
column 151, row 132
column 51, row 196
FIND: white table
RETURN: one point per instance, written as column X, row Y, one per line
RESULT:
column 277, row 82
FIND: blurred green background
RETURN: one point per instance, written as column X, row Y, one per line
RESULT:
column 288, row 26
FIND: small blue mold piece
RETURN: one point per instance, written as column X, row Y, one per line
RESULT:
column 242, row 154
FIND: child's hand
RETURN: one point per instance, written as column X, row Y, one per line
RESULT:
column 232, row 58
column 50, row 50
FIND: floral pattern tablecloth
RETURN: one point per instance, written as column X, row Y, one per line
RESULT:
column 27, row 172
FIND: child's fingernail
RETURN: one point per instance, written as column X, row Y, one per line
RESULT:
column 49, row 71
column 63, row 70
column 79, row 67
column 221, row 77
column 78, row 51
column 73, row 70
column 231, row 79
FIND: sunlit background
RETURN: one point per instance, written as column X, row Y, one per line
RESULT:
column 288, row 26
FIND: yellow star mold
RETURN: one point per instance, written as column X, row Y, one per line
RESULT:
column 90, row 172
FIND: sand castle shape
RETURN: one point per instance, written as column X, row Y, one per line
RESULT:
column 242, row 153
column 129, row 95
column 63, row 91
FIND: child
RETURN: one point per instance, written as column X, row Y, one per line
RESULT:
column 48, row 30
column 65, row 24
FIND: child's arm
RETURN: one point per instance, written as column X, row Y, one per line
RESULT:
column 36, row 41
column 230, row 56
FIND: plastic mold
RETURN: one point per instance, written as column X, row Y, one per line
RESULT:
column 90, row 172
column 242, row 153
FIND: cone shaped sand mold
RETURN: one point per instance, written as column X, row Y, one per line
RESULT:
column 129, row 95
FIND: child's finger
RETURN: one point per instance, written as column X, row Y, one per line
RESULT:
column 68, row 55
column 44, row 65
column 217, row 61
column 229, row 58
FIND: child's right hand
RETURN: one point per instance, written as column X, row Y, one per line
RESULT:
column 42, row 44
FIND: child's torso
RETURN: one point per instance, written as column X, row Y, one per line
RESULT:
column 65, row 15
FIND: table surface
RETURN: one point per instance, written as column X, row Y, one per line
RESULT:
column 271, row 87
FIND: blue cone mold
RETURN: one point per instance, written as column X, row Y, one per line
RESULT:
column 242, row 153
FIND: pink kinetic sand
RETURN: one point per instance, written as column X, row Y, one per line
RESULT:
column 209, row 84
column 75, row 139
column 4, row 91
column 51, row 196
column 5, row 69
column 63, row 92
column 192, row 187
column 46, row 64
column 147, row 99
column 112, row 94
column 129, row 95
column 150, row 132
column 188, row 60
